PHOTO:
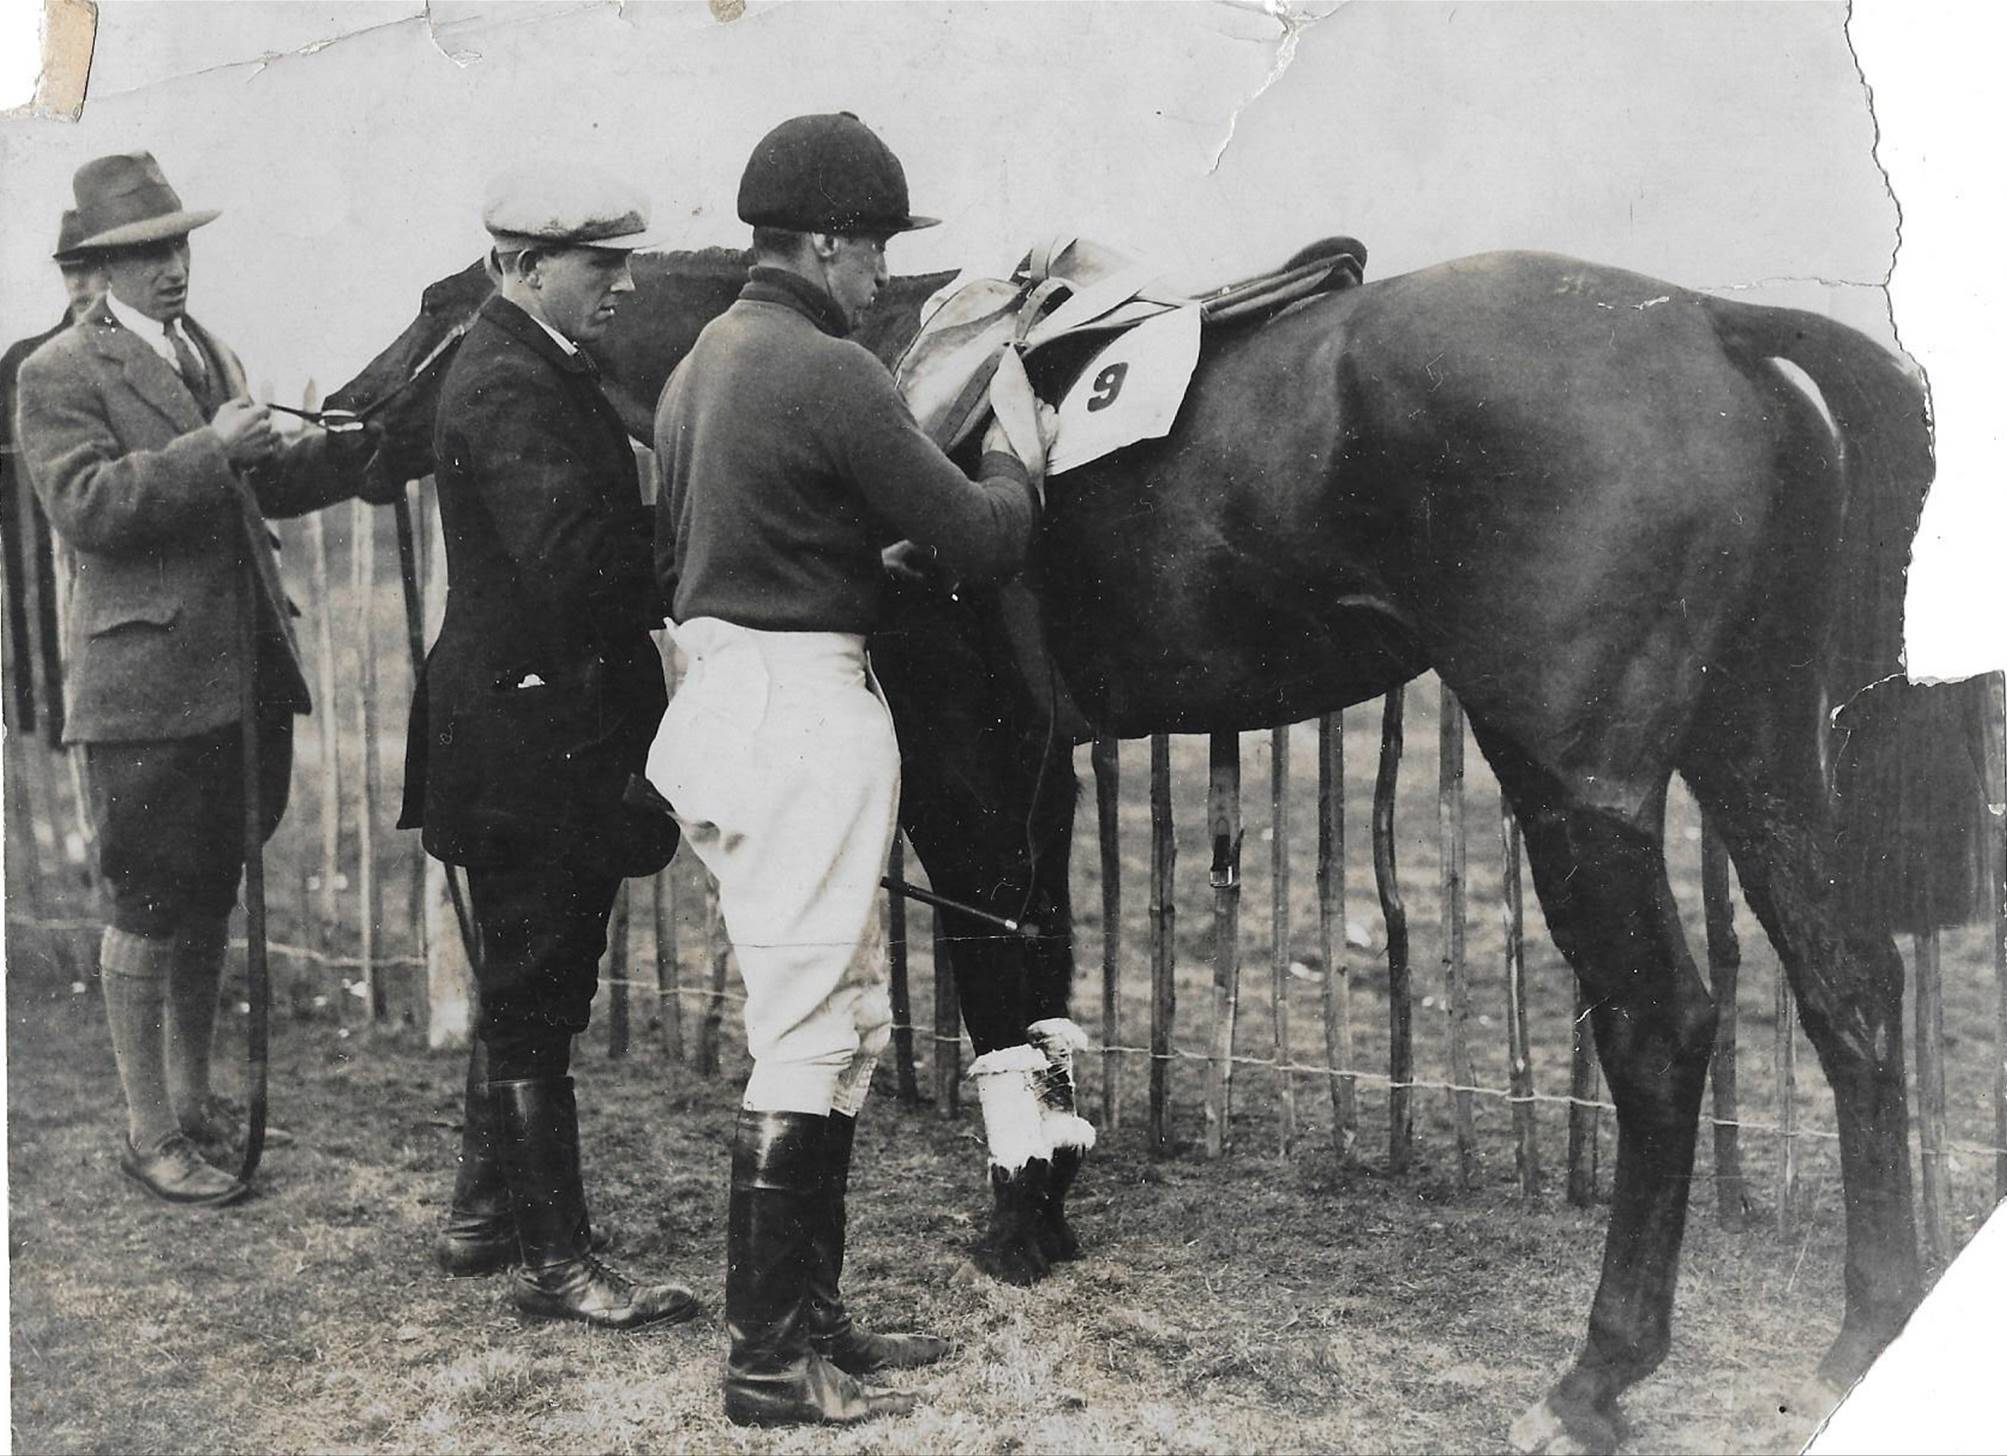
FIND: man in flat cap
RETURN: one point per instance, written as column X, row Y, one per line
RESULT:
column 158, row 473
column 536, row 705
column 34, row 665
column 790, row 462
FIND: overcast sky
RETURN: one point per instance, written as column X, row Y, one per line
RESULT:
column 1725, row 146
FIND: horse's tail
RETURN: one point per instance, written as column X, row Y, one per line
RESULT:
column 1909, row 775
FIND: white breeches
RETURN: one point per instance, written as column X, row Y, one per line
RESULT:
column 779, row 756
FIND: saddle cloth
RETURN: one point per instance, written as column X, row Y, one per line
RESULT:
column 1100, row 337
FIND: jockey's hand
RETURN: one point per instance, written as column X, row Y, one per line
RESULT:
column 245, row 430
column 1028, row 453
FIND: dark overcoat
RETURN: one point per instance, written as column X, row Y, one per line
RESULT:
column 544, row 690
column 160, row 524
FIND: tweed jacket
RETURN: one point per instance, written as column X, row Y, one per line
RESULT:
column 161, row 527
column 543, row 691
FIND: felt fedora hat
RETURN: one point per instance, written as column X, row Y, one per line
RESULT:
column 123, row 199
column 68, row 234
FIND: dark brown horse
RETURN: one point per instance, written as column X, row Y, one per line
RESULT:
column 1632, row 545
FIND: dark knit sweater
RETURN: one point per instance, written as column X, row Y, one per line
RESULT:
column 789, row 460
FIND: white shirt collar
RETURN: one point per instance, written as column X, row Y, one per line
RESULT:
column 149, row 331
column 562, row 342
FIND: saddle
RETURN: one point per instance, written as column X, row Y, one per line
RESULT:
column 1077, row 313
column 1095, row 333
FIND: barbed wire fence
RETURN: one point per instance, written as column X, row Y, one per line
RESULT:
column 363, row 941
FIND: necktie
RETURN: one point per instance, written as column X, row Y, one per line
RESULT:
column 193, row 374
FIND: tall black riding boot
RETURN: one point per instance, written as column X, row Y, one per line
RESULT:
column 774, row 1376
column 480, row 1232
column 835, row 1337
column 1070, row 1134
column 561, row 1278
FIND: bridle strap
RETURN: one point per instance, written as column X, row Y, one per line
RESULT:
column 350, row 419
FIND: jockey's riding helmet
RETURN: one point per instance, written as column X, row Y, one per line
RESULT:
column 826, row 173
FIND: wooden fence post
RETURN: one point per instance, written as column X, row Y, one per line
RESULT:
column 668, row 964
column 362, row 562
column 1518, row 1039
column 900, row 985
column 1785, row 1054
column 1584, row 1117
column 1456, row 992
column 1163, row 951
column 947, row 1028
column 1724, row 975
column 1337, row 997
column 1935, row 1184
column 1278, row 923
column 330, row 746
column 718, row 949
column 616, row 964
column 449, row 976
column 1107, row 759
column 1400, row 1004
column 1223, row 829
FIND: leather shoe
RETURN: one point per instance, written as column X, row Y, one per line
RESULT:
column 221, row 1122
column 598, row 1294
column 175, row 1172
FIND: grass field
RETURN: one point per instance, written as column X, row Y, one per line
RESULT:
column 1249, row 1302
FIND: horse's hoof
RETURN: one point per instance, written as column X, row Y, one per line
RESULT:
column 1057, row 1241
column 1542, row 1430
column 1019, row 1261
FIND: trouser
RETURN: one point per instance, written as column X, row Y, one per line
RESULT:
column 169, row 818
column 542, row 930
column 779, row 757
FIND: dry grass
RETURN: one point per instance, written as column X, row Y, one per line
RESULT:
column 1251, row 1303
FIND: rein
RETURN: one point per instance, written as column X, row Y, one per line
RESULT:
column 341, row 419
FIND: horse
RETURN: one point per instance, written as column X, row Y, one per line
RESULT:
column 1633, row 544
column 988, row 790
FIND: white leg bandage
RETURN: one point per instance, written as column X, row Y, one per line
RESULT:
column 1057, row 1039
column 1012, row 1117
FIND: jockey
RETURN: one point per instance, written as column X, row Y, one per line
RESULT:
column 789, row 463
column 536, row 706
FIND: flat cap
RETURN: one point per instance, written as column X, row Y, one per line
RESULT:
column 567, row 204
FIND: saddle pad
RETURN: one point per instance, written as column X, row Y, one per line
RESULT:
column 1129, row 391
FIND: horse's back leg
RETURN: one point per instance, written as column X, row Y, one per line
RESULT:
column 1753, row 762
column 1601, row 875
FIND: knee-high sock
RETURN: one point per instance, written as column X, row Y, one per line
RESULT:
column 134, row 972
column 191, row 1009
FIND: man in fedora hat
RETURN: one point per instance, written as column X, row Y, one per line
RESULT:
column 790, row 463
column 535, row 707
column 34, row 665
column 158, row 473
